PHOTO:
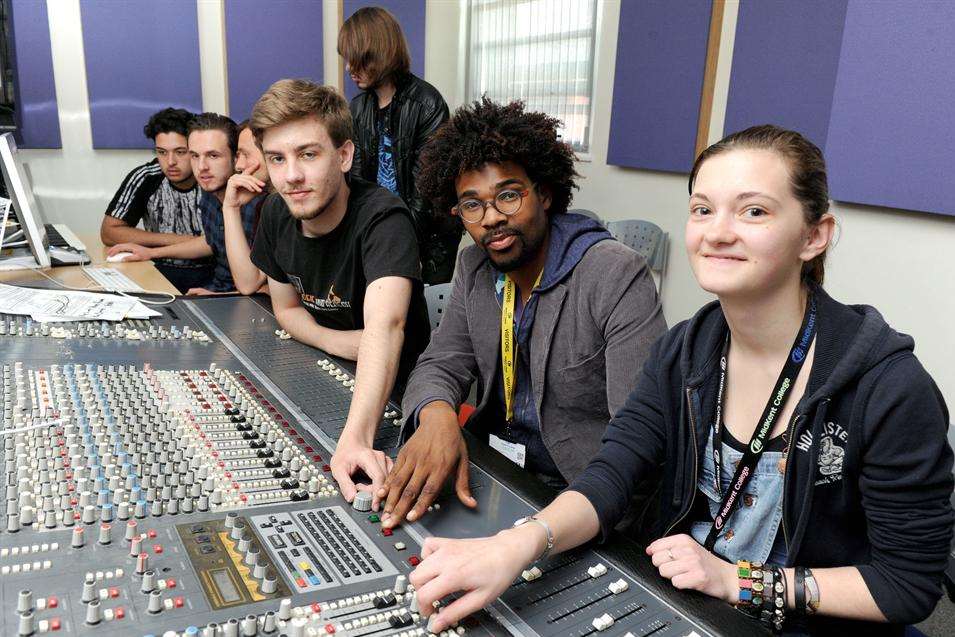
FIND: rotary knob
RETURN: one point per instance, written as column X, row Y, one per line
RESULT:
column 362, row 501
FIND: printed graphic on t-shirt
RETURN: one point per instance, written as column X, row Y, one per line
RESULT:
column 386, row 159
column 331, row 301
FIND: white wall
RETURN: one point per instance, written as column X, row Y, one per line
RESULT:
column 901, row 262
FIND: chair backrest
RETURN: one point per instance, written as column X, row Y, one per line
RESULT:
column 647, row 239
column 437, row 298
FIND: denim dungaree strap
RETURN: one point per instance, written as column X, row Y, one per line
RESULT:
column 752, row 532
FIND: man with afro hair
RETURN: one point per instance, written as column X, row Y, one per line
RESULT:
column 550, row 315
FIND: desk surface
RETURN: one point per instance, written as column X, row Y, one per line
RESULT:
column 144, row 273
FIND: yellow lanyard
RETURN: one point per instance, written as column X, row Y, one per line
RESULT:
column 509, row 343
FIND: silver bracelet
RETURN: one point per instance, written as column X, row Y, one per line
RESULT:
column 812, row 593
column 547, row 531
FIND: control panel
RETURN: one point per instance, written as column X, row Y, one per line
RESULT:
column 177, row 484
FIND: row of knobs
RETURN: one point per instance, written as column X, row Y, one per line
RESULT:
column 127, row 454
column 241, row 535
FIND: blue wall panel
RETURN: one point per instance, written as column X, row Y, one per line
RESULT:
column 658, row 83
column 784, row 65
column 38, row 125
column 268, row 40
column 411, row 16
column 140, row 57
column 891, row 136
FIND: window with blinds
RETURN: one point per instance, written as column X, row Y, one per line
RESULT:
column 538, row 51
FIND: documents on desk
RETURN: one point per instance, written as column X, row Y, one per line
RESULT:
column 68, row 305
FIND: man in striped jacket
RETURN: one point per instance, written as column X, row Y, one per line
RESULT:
column 163, row 195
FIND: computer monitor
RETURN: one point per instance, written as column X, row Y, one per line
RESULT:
column 21, row 193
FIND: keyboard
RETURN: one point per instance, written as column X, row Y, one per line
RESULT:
column 59, row 235
column 64, row 247
column 112, row 279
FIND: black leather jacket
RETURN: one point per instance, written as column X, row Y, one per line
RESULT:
column 417, row 111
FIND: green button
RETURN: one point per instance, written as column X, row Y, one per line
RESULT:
column 743, row 572
column 374, row 518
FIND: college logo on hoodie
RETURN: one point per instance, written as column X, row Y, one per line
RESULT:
column 832, row 451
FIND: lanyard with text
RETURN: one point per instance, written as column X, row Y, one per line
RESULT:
column 775, row 404
column 509, row 344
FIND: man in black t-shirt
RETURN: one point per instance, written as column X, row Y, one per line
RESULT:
column 341, row 260
column 164, row 195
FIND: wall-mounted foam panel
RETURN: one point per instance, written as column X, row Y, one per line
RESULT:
column 658, row 83
column 410, row 15
column 268, row 40
column 871, row 84
column 891, row 134
column 38, row 125
column 784, row 65
column 140, row 57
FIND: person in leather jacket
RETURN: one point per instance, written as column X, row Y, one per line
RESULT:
column 394, row 116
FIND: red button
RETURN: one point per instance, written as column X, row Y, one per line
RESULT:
column 119, row 613
column 177, row 602
column 151, row 533
column 386, row 532
column 55, row 623
column 300, row 582
column 52, row 602
column 170, row 583
column 157, row 549
column 329, row 629
column 414, row 560
column 316, row 607
column 326, row 468
column 113, row 593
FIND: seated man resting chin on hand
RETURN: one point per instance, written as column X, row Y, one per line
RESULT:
column 213, row 142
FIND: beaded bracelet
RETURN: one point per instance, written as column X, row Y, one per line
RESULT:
column 762, row 593
column 750, row 586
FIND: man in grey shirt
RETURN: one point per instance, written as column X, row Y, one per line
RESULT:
column 548, row 314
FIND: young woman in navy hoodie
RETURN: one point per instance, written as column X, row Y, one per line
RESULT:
column 832, row 509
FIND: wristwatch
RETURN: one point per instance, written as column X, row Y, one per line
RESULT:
column 543, row 525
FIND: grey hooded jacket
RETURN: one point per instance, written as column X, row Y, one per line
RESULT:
column 592, row 332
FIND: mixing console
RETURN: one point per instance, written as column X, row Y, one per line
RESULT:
column 177, row 484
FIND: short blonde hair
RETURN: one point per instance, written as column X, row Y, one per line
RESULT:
column 371, row 42
column 288, row 100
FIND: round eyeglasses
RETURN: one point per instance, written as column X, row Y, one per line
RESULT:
column 507, row 202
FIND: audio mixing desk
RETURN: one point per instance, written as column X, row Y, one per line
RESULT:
column 170, row 477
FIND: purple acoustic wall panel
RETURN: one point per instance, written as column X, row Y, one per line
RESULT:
column 784, row 65
column 658, row 83
column 38, row 125
column 410, row 15
column 140, row 57
column 268, row 40
column 891, row 135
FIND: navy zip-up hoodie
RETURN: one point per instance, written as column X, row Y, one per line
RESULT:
column 571, row 235
column 869, row 474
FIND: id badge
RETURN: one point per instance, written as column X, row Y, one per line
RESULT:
column 513, row 451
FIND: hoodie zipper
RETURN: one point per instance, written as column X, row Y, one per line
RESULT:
column 696, row 461
column 789, row 444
